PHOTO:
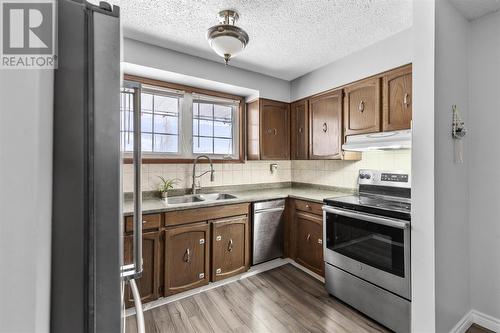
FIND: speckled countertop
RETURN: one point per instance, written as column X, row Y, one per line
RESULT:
column 243, row 194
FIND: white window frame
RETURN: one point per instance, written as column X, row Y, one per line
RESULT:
column 185, row 126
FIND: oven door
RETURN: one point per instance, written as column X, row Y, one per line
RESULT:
column 371, row 247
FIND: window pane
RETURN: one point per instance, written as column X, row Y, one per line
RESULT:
column 195, row 127
column 164, row 104
column 223, row 112
column 126, row 121
column 166, row 143
column 147, row 142
column 223, row 146
column 166, row 124
column 202, row 145
column 146, row 102
column 206, row 128
column 205, row 111
column 146, row 122
column 127, row 141
column 223, row 129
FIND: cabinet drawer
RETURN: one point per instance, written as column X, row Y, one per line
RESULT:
column 310, row 207
column 204, row 214
column 149, row 221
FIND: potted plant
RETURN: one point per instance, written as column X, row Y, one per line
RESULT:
column 165, row 185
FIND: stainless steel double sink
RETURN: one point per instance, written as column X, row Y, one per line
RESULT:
column 206, row 197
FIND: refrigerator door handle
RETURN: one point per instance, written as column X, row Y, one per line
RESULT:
column 134, row 271
column 137, row 184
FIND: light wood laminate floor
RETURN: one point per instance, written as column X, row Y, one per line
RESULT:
column 284, row 299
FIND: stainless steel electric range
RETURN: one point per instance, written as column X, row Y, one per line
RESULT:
column 367, row 247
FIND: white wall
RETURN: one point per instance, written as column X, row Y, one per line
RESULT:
column 484, row 161
column 451, row 183
column 26, row 105
column 379, row 57
column 148, row 55
column 422, row 246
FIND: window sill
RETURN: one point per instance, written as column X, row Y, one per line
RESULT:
column 159, row 160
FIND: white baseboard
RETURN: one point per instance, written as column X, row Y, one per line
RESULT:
column 479, row 318
column 463, row 325
column 252, row 271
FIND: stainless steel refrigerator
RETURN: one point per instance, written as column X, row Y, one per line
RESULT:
column 88, row 276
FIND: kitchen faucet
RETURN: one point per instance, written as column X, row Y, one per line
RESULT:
column 194, row 187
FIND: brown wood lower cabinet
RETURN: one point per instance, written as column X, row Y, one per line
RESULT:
column 307, row 240
column 187, row 257
column 148, row 284
column 230, row 247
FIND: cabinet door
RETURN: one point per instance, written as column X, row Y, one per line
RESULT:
column 274, row 130
column 397, row 99
column 362, row 107
column 187, row 257
column 309, row 241
column 326, row 126
column 299, row 133
column 253, row 131
column 148, row 284
column 230, row 247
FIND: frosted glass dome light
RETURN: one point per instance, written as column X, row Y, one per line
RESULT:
column 226, row 39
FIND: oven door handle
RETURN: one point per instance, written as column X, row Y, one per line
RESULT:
column 387, row 221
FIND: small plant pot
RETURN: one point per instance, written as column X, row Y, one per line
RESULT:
column 164, row 195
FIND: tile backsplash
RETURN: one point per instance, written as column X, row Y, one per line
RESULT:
column 333, row 173
column 250, row 172
column 345, row 173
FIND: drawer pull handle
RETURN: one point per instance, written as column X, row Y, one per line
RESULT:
column 218, row 271
column 361, row 106
column 325, row 127
column 275, row 131
column 202, row 241
column 308, row 206
column 230, row 246
column 320, row 241
column 144, row 221
column 308, row 237
column 187, row 256
column 218, row 238
column 406, row 100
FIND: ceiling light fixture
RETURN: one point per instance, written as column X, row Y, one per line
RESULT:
column 226, row 39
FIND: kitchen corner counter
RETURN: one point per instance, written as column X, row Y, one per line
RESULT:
column 303, row 192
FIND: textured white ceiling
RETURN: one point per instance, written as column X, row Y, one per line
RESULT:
column 288, row 38
column 473, row 9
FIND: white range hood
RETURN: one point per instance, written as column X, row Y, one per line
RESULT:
column 378, row 141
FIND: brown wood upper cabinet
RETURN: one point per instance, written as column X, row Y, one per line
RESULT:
column 148, row 284
column 268, row 131
column 397, row 92
column 299, row 130
column 362, row 107
column 187, row 257
column 325, row 117
column 230, row 247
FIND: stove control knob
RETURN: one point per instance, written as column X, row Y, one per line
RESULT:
column 367, row 176
column 362, row 176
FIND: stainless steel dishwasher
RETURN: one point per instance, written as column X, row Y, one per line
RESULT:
column 267, row 230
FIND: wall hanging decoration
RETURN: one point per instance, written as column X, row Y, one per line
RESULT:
column 458, row 132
